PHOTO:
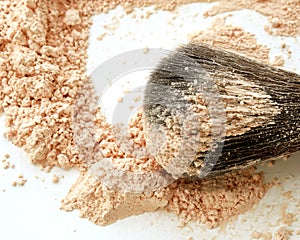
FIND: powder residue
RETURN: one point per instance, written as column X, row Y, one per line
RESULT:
column 233, row 39
column 288, row 218
column 283, row 15
column 278, row 61
column 203, row 201
column 282, row 234
column 261, row 236
column 21, row 181
column 5, row 164
column 55, row 178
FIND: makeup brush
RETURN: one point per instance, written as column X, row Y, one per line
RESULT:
column 215, row 112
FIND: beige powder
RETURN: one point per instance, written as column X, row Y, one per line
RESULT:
column 5, row 164
column 212, row 201
column 42, row 68
column 104, row 206
column 278, row 61
column 261, row 236
column 283, row 15
column 21, row 181
column 289, row 218
column 42, row 65
column 55, row 179
column 233, row 39
column 282, row 234
column 207, row 201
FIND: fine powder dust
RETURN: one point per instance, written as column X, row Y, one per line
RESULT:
column 43, row 54
column 233, row 39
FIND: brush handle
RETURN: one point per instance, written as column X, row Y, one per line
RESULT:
column 261, row 105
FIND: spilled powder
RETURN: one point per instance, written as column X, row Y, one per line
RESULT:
column 288, row 218
column 43, row 53
column 21, row 181
column 104, row 206
column 283, row 15
column 233, row 39
column 214, row 200
column 282, row 234
column 206, row 201
column 43, row 61
column 42, row 64
column 5, row 164
column 55, row 179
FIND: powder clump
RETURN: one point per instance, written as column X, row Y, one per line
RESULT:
column 72, row 17
column 103, row 206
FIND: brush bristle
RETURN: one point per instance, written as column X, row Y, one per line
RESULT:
column 245, row 112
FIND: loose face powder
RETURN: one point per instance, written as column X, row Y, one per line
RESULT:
column 43, row 61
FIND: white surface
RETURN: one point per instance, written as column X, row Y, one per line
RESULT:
column 32, row 211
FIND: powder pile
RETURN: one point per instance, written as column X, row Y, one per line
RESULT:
column 104, row 206
column 211, row 201
column 43, row 53
column 42, row 64
column 126, row 146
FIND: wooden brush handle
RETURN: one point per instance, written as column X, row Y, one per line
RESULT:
column 261, row 105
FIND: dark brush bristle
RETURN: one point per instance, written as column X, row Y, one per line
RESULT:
column 261, row 104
